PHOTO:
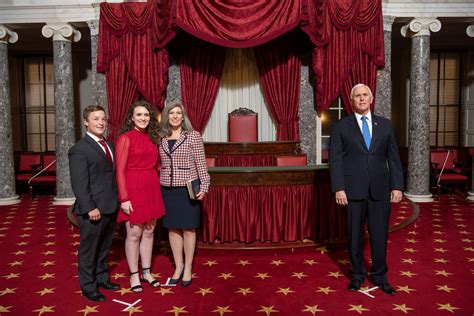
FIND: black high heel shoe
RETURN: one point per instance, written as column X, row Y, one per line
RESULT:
column 136, row 288
column 153, row 283
column 176, row 281
column 186, row 283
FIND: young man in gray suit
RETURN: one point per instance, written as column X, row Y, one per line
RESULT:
column 366, row 175
column 92, row 171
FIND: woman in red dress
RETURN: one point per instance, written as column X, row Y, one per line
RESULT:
column 138, row 164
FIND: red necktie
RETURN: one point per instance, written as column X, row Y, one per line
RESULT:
column 107, row 152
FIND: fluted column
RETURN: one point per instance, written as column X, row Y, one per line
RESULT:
column 383, row 96
column 7, row 169
column 63, row 35
column 418, row 182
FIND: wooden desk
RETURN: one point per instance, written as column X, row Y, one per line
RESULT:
column 249, row 154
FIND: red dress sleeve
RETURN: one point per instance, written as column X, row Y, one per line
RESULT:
column 122, row 148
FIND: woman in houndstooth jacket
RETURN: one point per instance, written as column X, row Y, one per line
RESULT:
column 182, row 159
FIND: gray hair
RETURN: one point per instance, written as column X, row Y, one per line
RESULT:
column 358, row 86
column 186, row 125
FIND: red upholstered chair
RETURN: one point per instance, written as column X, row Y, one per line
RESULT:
column 29, row 164
column 444, row 171
column 243, row 125
column 46, row 176
column 293, row 160
column 211, row 161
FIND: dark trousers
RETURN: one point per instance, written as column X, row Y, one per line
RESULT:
column 96, row 239
column 377, row 214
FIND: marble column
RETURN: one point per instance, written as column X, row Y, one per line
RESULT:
column 383, row 95
column 8, row 194
column 173, row 90
column 63, row 35
column 469, row 84
column 418, row 181
column 306, row 111
column 99, row 91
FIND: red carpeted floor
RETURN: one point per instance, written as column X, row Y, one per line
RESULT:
column 431, row 265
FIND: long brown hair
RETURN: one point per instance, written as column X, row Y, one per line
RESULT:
column 153, row 128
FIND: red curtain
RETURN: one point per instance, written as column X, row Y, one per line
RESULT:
column 201, row 70
column 237, row 23
column 279, row 68
column 348, row 39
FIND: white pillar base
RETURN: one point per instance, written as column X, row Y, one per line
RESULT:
column 10, row 200
column 470, row 196
column 63, row 201
column 419, row 198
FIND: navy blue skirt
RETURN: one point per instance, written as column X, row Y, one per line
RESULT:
column 181, row 211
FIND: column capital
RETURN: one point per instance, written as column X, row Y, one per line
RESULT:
column 388, row 22
column 7, row 35
column 93, row 27
column 421, row 27
column 470, row 30
column 61, row 32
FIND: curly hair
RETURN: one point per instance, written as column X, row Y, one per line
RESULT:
column 186, row 126
column 153, row 128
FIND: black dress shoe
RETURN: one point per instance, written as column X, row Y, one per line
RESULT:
column 387, row 288
column 354, row 285
column 94, row 296
column 107, row 285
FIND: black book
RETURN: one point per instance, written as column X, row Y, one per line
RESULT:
column 194, row 187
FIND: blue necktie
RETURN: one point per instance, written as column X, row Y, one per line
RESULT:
column 365, row 131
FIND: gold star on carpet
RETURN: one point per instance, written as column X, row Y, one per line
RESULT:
column 23, row 243
column 134, row 309
column 412, row 233
column 277, row 262
column 19, row 252
column 336, row 274
column 49, row 252
column 89, row 309
column 113, row 263
column 298, row 275
column 262, row 276
column 468, row 248
column 412, row 241
column 443, row 273
column 438, row 232
column 405, row 289
column 178, row 310
column 118, row 276
column 310, row 262
column 442, row 250
column 470, row 259
column 325, row 290
column 44, row 309
column 445, row 288
column 464, row 232
column 222, row 310
column 323, row 250
column 461, row 225
column 4, row 228
column 285, row 291
column 244, row 291
column 440, row 241
column 408, row 273
column 11, row 276
column 436, row 219
column 163, row 291
column 47, row 276
column 267, row 310
column 343, row 261
column 205, row 291
column 50, row 243
column 48, row 263
column 124, row 290
column 50, row 236
column 466, row 240
column 7, row 291
column 27, row 228
column 446, row 307
column 7, row 222
column 225, row 276
column 210, row 263
column 441, row 260
column 312, row 309
column 51, row 222
column 46, row 291
column 411, row 250
column 437, row 225
column 75, row 235
column 51, row 228
column 357, row 308
column 410, row 261
column 243, row 263
column 2, row 235
column 16, row 263
column 5, row 309
column 402, row 308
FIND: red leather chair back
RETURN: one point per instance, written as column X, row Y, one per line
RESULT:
column 48, row 158
column 296, row 160
column 27, row 160
column 243, row 127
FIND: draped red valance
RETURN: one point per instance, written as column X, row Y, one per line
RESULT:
column 347, row 38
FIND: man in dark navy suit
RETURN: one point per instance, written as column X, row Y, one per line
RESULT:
column 92, row 171
column 366, row 176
